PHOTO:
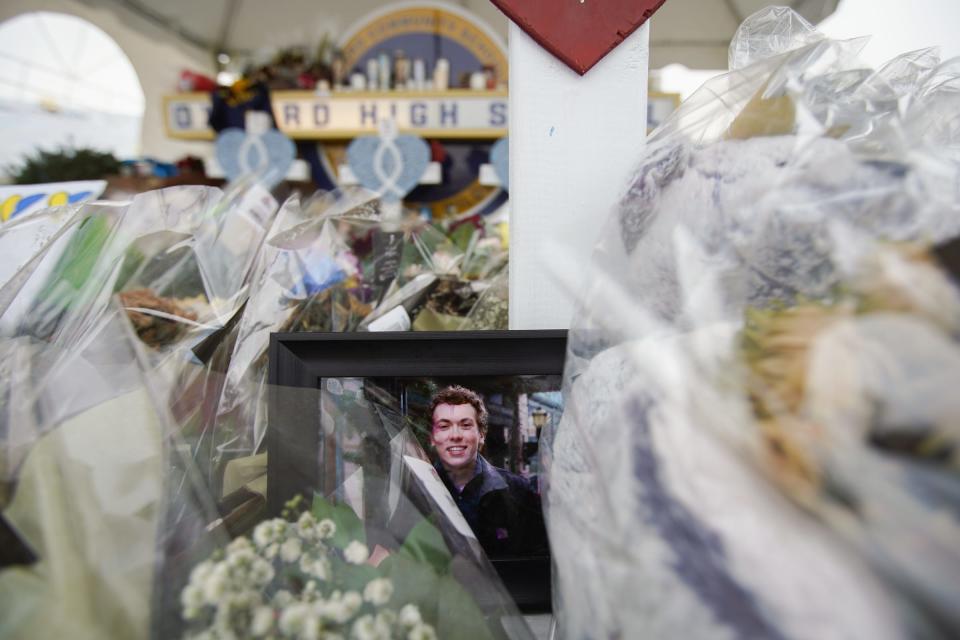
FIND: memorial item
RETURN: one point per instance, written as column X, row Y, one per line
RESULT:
column 757, row 396
column 419, row 74
column 441, row 75
column 373, row 74
column 385, row 71
column 338, row 71
column 401, row 70
column 579, row 33
column 393, row 383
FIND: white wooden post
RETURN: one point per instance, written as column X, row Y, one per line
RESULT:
column 573, row 143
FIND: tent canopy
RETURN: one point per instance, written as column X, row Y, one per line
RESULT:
column 695, row 33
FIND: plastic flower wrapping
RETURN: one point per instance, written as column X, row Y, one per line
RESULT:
column 760, row 436
column 134, row 422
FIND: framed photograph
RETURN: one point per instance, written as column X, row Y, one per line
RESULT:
column 471, row 405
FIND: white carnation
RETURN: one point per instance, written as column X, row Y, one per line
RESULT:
column 291, row 549
column 378, row 592
column 369, row 628
column 326, row 529
column 262, row 621
column 410, row 615
column 422, row 632
column 356, row 552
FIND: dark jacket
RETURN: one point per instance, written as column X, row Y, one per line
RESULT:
column 502, row 509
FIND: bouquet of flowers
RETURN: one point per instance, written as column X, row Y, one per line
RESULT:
column 757, row 384
column 293, row 581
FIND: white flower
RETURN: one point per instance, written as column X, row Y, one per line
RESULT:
column 314, row 566
column 311, row 628
column 388, row 617
column 262, row 621
column 239, row 545
column 369, row 628
column 356, row 552
column 200, row 572
column 265, row 533
column 271, row 551
column 223, row 618
column 293, row 617
column 282, row 598
column 352, row 601
column 261, row 572
column 191, row 599
column 326, row 529
column 215, row 584
column 410, row 615
column 378, row 592
column 306, row 526
column 335, row 610
column 422, row 632
column 240, row 557
column 291, row 549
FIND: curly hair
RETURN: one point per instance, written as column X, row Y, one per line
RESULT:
column 461, row 395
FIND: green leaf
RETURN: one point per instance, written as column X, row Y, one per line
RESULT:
column 352, row 577
column 462, row 234
column 414, row 583
column 425, row 544
column 349, row 526
column 458, row 615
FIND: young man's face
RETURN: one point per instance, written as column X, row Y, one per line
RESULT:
column 456, row 435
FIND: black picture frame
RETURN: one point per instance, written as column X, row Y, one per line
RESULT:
column 300, row 361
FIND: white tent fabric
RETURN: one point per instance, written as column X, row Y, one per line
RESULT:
column 694, row 33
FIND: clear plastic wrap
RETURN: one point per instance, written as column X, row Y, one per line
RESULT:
column 178, row 260
column 332, row 264
column 90, row 493
column 127, row 541
column 373, row 546
column 759, row 439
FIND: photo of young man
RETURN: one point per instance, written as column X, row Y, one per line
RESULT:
column 502, row 508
